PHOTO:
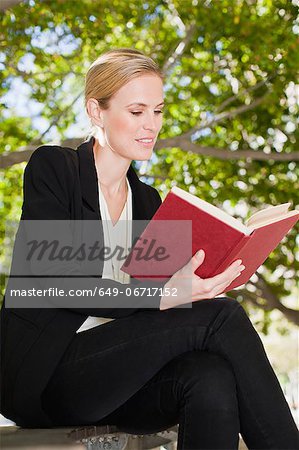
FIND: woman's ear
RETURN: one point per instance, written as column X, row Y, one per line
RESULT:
column 94, row 112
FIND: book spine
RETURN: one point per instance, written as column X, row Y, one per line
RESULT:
column 231, row 256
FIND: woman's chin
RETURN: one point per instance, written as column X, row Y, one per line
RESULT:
column 144, row 155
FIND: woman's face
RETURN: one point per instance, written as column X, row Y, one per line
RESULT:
column 133, row 120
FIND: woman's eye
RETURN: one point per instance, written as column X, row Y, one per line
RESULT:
column 136, row 113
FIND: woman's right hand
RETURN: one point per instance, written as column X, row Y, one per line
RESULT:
column 202, row 288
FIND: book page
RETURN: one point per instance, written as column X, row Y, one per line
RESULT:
column 262, row 223
column 266, row 215
column 211, row 209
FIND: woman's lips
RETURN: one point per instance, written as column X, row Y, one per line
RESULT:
column 146, row 142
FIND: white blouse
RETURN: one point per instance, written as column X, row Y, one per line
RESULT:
column 120, row 235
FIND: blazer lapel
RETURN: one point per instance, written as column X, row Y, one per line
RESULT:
column 143, row 207
column 90, row 190
column 88, row 176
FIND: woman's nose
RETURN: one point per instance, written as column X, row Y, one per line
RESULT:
column 150, row 122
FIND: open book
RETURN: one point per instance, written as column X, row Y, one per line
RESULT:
column 265, row 216
column 223, row 238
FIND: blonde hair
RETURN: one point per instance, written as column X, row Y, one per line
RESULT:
column 112, row 70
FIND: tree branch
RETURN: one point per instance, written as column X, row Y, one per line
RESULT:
column 176, row 15
column 224, row 115
column 271, row 300
column 245, row 91
column 176, row 53
column 249, row 296
column 223, row 153
column 56, row 119
column 7, row 4
column 26, row 75
column 8, row 159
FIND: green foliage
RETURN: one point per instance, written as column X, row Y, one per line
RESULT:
column 241, row 51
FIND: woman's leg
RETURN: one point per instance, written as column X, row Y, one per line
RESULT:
column 265, row 419
column 197, row 390
column 105, row 366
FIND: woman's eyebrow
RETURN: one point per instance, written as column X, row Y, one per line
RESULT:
column 143, row 104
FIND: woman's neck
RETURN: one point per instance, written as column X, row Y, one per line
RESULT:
column 113, row 182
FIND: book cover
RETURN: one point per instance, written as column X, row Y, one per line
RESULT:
column 203, row 226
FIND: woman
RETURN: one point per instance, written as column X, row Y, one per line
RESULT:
column 141, row 368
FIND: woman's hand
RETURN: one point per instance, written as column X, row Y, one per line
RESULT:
column 202, row 288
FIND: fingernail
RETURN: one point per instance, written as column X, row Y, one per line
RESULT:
column 199, row 253
column 239, row 261
column 242, row 267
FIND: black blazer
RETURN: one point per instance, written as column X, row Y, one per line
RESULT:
column 59, row 183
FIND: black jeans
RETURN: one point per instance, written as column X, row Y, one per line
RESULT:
column 204, row 368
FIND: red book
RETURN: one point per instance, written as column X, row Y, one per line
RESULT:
column 223, row 238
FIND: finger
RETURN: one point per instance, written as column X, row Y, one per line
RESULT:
column 223, row 287
column 197, row 260
column 219, row 289
column 210, row 285
column 229, row 274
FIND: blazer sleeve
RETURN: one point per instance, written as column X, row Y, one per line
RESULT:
column 49, row 180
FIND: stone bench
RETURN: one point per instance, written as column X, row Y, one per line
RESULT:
column 106, row 437
column 92, row 438
column 109, row 437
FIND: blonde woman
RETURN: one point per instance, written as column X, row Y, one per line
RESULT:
column 143, row 367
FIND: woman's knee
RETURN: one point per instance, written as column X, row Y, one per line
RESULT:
column 207, row 378
column 220, row 308
column 228, row 304
column 229, row 311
